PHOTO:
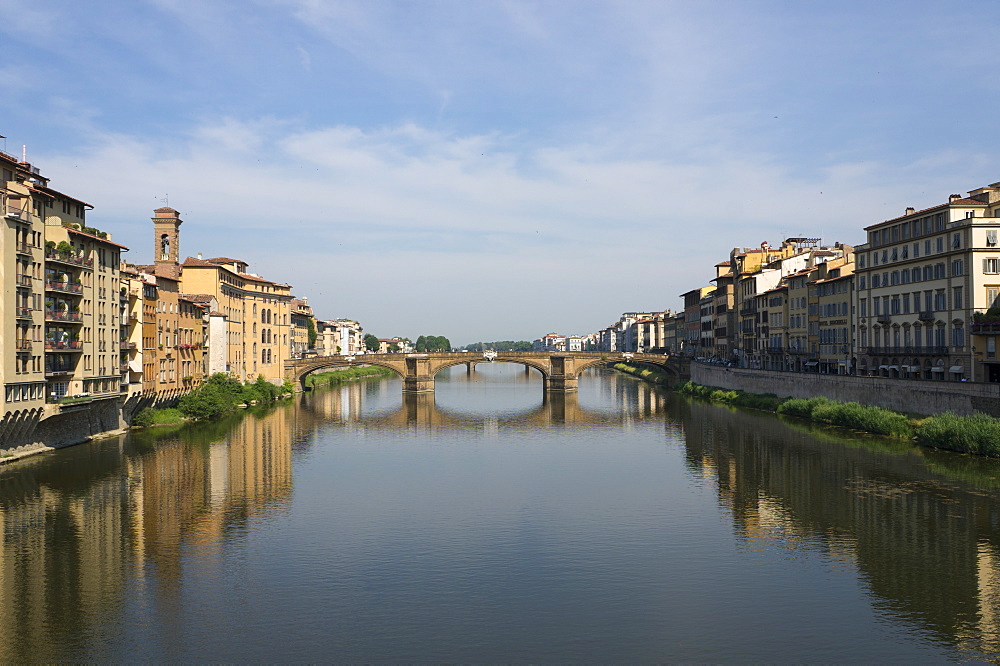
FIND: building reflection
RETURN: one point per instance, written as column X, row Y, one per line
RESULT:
column 923, row 541
column 74, row 525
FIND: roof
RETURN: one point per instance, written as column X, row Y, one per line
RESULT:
column 97, row 238
column 198, row 298
column 965, row 201
column 45, row 189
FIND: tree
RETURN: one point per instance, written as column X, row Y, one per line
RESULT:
column 371, row 343
column 393, row 348
column 431, row 343
column 311, row 331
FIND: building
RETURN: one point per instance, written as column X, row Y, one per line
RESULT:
column 926, row 282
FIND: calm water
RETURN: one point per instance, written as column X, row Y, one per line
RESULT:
column 489, row 523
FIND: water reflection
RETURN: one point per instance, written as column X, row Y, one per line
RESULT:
column 102, row 543
column 926, row 545
column 84, row 526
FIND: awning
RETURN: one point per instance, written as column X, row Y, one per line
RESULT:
column 957, row 368
column 937, row 368
column 894, row 367
column 841, row 362
column 811, row 363
column 883, row 367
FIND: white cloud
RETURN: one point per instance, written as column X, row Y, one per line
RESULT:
column 373, row 224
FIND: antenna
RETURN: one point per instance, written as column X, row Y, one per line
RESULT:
column 165, row 200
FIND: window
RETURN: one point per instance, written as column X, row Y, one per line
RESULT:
column 957, row 267
column 991, row 236
column 956, row 301
column 958, row 336
column 991, row 266
column 939, row 243
column 956, row 240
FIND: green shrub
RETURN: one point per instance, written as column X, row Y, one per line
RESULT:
column 144, row 418
column 866, row 418
column 978, row 434
column 801, row 407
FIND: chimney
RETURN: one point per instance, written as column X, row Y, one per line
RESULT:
column 954, row 197
column 910, row 210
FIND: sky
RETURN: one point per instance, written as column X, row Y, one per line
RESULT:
column 493, row 170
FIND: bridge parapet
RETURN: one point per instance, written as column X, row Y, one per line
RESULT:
column 560, row 370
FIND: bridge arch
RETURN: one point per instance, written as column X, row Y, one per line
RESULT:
column 339, row 363
column 560, row 370
column 530, row 363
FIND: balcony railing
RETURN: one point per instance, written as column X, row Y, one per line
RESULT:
column 23, row 313
column 63, row 345
column 56, row 371
column 23, row 280
column 71, row 259
column 22, row 248
column 125, row 344
column 63, row 315
column 926, row 315
column 68, row 287
column 929, row 350
column 17, row 213
column 22, row 345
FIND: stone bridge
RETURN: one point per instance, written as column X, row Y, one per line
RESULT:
column 561, row 370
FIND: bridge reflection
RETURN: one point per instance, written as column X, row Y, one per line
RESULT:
column 634, row 401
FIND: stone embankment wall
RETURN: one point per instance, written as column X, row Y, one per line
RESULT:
column 902, row 395
column 30, row 431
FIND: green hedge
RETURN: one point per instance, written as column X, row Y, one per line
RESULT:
column 978, row 434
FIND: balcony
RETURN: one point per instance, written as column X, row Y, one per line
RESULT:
column 926, row 315
column 126, row 345
column 22, row 248
column 63, row 345
column 23, row 313
column 71, row 259
column 24, row 281
column 18, row 213
column 64, row 315
column 985, row 328
column 58, row 371
column 22, row 345
column 65, row 287
column 883, row 318
column 929, row 350
column 123, row 367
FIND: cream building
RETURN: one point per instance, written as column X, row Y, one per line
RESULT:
column 925, row 283
column 60, row 310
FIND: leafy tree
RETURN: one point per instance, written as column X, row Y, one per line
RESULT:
column 372, row 343
column 501, row 345
column 393, row 347
column 421, row 344
column 311, row 332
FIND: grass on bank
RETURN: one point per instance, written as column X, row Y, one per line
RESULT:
column 335, row 377
column 218, row 395
column 978, row 434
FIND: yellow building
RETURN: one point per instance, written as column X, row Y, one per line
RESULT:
column 60, row 312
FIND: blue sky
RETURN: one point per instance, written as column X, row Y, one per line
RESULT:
column 496, row 170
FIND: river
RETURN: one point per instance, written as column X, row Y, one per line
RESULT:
column 489, row 522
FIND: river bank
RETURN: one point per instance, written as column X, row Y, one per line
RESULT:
column 976, row 434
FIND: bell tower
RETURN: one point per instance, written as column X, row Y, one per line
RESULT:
column 166, row 232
